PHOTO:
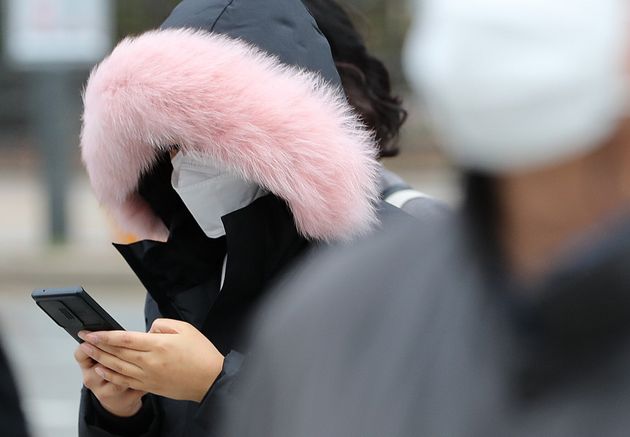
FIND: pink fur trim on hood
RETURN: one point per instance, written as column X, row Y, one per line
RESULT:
column 220, row 98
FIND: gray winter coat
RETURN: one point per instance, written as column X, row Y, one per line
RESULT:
column 417, row 333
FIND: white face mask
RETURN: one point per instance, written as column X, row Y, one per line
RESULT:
column 517, row 84
column 210, row 192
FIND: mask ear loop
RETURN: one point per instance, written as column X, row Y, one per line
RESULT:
column 176, row 161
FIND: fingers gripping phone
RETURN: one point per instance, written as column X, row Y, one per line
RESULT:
column 74, row 310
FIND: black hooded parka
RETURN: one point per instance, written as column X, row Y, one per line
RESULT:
column 183, row 275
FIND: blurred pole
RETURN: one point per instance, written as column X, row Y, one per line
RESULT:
column 50, row 40
column 53, row 108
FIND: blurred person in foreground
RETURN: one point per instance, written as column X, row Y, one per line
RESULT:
column 516, row 321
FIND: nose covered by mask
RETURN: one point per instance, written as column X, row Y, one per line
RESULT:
column 518, row 84
column 211, row 192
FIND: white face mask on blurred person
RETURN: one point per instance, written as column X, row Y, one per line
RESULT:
column 517, row 84
column 210, row 192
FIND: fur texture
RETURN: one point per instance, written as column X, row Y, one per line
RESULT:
column 229, row 102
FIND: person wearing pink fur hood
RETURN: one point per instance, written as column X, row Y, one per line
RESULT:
column 228, row 162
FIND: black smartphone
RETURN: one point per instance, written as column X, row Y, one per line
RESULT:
column 74, row 310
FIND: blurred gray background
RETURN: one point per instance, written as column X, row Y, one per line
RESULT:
column 52, row 231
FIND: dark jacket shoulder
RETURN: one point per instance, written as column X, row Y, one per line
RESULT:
column 347, row 281
column 345, row 324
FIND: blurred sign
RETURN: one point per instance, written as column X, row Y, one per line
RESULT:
column 57, row 32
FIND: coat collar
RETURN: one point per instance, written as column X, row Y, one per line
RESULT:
column 183, row 274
